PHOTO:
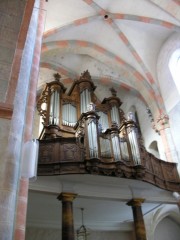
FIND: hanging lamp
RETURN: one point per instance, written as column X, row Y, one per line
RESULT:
column 82, row 232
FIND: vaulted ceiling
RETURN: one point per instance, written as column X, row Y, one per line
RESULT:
column 117, row 41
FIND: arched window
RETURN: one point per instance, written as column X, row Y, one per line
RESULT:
column 153, row 148
column 174, row 66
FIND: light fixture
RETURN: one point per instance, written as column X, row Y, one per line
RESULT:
column 82, row 232
column 29, row 159
column 176, row 195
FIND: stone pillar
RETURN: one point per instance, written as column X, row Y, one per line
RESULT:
column 139, row 225
column 24, row 183
column 161, row 125
column 10, row 166
column 67, row 215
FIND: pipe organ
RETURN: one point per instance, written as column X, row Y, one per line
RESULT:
column 82, row 135
column 103, row 127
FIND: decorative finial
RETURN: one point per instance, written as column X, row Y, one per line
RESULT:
column 85, row 75
column 113, row 91
column 57, row 77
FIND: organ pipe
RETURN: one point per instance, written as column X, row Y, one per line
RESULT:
column 69, row 115
column 103, row 120
column 124, row 149
column 54, row 108
column 85, row 99
column 105, row 147
column 92, row 140
column 115, row 115
column 116, row 148
column 132, row 135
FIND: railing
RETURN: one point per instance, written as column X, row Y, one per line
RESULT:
column 61, row 156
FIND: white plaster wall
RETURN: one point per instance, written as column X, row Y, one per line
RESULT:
column 111, row 236
column 168, row 88
column 54, row 234
column 174, row 116
column 156, row 227
column 166, row 83
column 167, row 229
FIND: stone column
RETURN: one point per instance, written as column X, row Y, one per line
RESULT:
column 67, row 215
column 161, row 125
column 139, row 225
column 10, row 166
column 24, row 183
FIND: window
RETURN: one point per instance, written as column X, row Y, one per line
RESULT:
column 153, row 148
column 174, row 66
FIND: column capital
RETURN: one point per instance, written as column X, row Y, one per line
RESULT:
column 66, row 197
column 135, row 202
column 161, row 122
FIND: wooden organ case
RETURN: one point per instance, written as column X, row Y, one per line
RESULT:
column 82, row 135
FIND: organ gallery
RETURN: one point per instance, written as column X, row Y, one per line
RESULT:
column 82, row 135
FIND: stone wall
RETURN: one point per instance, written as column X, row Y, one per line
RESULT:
column 11, row 14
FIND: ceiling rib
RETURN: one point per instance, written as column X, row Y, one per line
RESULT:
column 170, row 8
column 138, row 59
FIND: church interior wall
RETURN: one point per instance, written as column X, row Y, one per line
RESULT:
column 167, row 229
column 167, row 86
column 12, row 20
